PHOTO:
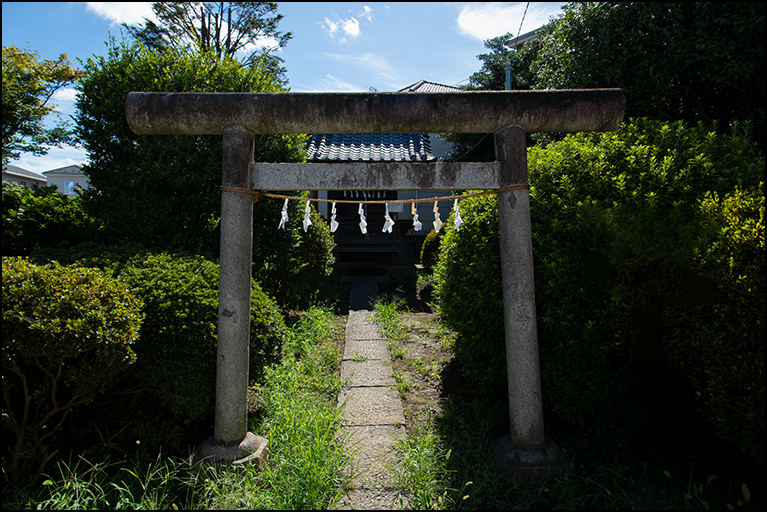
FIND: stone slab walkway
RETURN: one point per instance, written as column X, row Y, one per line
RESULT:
column 373, row 417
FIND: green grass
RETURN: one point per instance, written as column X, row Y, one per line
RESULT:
column 297, row 413
column 386, row 317
column 447, row 465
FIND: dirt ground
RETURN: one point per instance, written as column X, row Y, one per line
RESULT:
column 418, row 362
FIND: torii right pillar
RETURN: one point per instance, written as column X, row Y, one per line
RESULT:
column 525, row 452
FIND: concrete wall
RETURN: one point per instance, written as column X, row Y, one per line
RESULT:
column 67, row 180
column 24, row 181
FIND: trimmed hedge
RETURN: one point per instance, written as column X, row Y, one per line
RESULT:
column 176, row 349
column 68, row 332
column 720, row 345
column 623, row 243
column 177, row 344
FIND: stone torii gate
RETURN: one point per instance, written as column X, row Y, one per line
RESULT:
column 508, row 114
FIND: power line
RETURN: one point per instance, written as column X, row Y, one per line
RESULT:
column 520, row 24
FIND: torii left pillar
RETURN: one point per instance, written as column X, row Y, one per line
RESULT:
column 231, row 443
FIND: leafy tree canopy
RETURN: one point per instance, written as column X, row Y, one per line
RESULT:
column 162, row 191
column 492, row 74
column 480, row 147
column 224, row 28
column 690, row 61
column 694, row 61
column 28, row 85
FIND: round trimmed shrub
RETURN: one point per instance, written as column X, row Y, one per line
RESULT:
column 67, row 333
column 177, row 345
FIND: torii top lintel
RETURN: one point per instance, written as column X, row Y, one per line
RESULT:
column 582, row 110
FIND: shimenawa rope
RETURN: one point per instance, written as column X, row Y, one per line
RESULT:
column 257, row 193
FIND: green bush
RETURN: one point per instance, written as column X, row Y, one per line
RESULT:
column 177, row 346
column 467, row 283
column 430, row 249
column 619, row 237
column 41, row 217
column 67, row 333
column 720, row 345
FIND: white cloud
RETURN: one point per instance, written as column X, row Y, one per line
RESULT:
column 55, row 159
column 371, row 64
column 350, row 27
column 65, row 95
column 261, row 43
column 332, row 27
column 332, row 84
column 487, row 20
column 367, row 12
column 131, row 13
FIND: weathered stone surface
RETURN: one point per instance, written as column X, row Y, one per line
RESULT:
column 524, row 383
column 528, row 462
column 373, row 416
column 361, row 327
column 251, row 448
column 367, row 373
column 366, row 349
column 234, row 290
column 372, row 406
column 376, row 176
column 374, row 450
column 585, row 110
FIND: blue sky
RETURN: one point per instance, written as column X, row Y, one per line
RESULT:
column 336, row 46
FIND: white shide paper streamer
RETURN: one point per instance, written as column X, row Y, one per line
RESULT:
column 284, row 214
column 388, row 223
column 458, row 219
column 333, row 222
column 416, row 223
column 363, row 222
column 307, row 220
column 437, row 220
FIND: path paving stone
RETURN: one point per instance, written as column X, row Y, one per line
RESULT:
column 372, row 406
column 373, row 452
column 373, row 417
column 367, row 350
column 367, row 373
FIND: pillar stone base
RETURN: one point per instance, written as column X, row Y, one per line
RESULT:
column 528, row 462
column 252, row 448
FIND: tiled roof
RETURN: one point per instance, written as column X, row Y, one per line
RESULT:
column 370, row 147
column 377, row 147
column 424, row 86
